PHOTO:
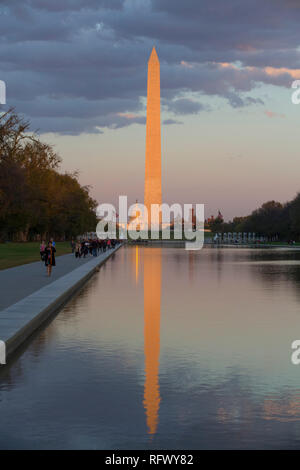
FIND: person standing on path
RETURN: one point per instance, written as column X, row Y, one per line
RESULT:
column 49, row 257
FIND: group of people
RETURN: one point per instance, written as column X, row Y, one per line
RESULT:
column 47, row 252
column 92, row 247
column 81, row 248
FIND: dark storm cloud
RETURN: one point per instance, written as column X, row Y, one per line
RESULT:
column 80, row 65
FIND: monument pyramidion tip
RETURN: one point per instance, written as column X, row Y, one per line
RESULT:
column 153, row 56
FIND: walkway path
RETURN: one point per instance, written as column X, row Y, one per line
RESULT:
column 21, row 281
column 38, row 297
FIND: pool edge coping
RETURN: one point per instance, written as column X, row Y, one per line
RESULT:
column 43, row 303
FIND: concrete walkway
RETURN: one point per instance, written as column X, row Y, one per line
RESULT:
column 21, row 281
column 40, row 299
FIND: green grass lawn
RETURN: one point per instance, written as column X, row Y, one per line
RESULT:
column 14, row 254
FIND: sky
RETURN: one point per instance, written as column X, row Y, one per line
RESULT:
column 77, row 70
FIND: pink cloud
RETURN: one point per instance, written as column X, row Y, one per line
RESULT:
column 272, row 114
column 294, row 73
column 186, row 64
column 127, row 115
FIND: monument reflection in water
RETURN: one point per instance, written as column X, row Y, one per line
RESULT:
column 109, row 373
column 152, row 297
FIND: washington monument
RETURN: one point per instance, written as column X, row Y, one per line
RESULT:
column 153, row 139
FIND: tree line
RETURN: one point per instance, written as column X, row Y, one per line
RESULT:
column 36, row 200
column 273, row 219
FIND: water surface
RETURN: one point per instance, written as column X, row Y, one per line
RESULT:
column 164, row 348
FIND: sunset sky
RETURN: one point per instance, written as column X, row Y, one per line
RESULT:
column 230, row 133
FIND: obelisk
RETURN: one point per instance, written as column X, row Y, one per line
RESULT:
column 153, row 139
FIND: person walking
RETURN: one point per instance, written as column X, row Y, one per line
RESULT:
column 49, row 257
column 42, row 250
column 85, row 249
column 94, row 247
column 81, row 248
column 77, row 250
column 91, row 247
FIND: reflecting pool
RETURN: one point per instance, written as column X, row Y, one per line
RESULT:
column 164, row 348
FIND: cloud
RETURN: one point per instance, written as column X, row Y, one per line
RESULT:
column 73, row 5
column 237, row 101
column 171, row 121
column 272, row 114
column 94, row 53
column 185, row 106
